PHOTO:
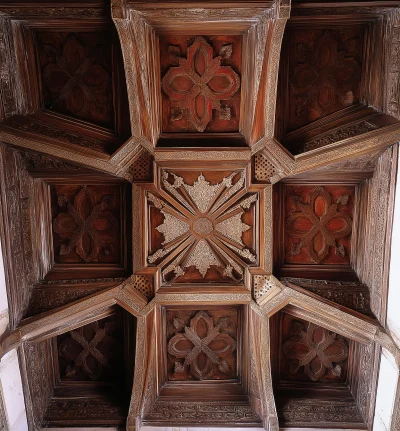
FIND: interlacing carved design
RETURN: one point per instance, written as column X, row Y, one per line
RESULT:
column 312, row 225
column 68, row 76
column 316, row 349
column 78, row 227
column 202, row 367
column 327, row 77
column 201, row 236
column 91, row 360
column 199, row 84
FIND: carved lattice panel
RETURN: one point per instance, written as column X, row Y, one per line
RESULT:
column 201, row 80
column 311, row 353
column 202, row 345
column 87, row 223
column 205, row 231
column 318, row 224
column 76, row 74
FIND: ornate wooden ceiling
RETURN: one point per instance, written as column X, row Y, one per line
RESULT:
column 196, row 208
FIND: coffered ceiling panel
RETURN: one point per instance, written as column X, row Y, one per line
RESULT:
column 196, row 232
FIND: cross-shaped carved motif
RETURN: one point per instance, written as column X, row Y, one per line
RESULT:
column 202, row 345
column 315, row 349
column 199, row 84
column 89, row 348
column 318, row 225
column 74, row 77
column 85, row 225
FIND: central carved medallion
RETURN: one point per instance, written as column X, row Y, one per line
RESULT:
column 203, row 229
column 203, row 226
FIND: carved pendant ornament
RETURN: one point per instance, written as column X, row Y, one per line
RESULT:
column 318, row 225
column 198, row 85
column 202, row 346
column 316, row 349
column 203, row 227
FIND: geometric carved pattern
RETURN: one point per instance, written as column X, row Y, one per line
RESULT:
column 76, row 78
column 200, row 89
column 207, row 244
column 324, row 72
column 263, row 168
column 207, row 348
column 92, row 352
column 317, row 230
column 87, row 222
column 144, row 285
column 142, row 168
column 320, row 352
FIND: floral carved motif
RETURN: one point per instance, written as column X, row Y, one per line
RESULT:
column 203, row 347
column 316, row 349
column 198, row 84
column 325, row 72
column 90, row 352
column 88, row 226
column 75, row 75
column 317, row 225
column 200, row 238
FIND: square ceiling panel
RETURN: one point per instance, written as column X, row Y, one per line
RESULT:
column 201, row 83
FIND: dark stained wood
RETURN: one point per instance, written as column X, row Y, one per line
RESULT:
column 76, row 74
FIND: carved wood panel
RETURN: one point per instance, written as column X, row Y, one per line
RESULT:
column 318, row 224
column 311, row 353
column 205, row 232
column 93, row 352
column 201, row 80
column 76, row 74
column 87, row 223
column 202, row 345
column 320, row 73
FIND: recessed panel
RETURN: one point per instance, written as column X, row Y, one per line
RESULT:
column 76, row 74
column 202, row 344
column 201, row 82
column 318, row 224
column 87, row 223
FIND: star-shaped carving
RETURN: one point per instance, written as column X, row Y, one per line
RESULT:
column 202, row 368
column 203, row 227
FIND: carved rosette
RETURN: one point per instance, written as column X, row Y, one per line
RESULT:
column 317, row 225
column 314, row 349
column 203, row 346
column 204, row 231
column 198, row 85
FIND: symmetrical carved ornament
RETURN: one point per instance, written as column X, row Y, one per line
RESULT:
column 88, row 227
column 203, row 346
column 317, row 226
column 87, row 353
column 316, row 349
column 198, row 85
column 324, row 72
column 75, row 75
column 197, row 234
